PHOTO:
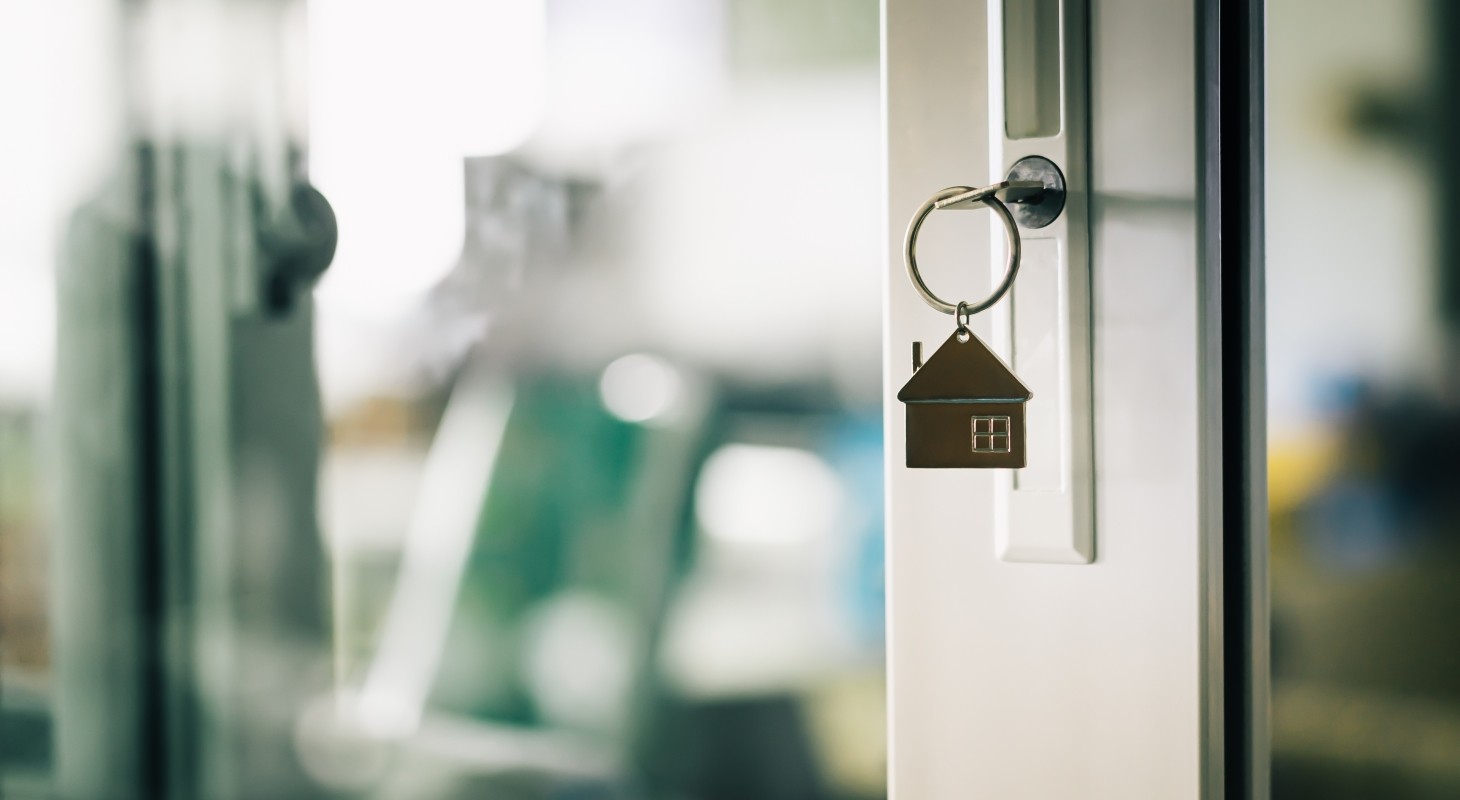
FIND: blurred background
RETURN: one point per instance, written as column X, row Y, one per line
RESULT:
column 1363, row 322
column 563, row 480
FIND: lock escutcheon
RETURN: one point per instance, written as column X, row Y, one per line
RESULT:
column 1039, row 209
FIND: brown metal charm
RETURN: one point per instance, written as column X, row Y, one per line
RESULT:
column 965, row 408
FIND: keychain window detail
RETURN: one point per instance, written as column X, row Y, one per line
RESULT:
column 990, row 434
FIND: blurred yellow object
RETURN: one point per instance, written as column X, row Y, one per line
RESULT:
column 1297, row 465
column 848, row 720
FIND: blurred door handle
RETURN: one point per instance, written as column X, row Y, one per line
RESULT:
column 296, row 248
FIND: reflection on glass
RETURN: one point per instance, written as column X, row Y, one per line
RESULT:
column 603, row 492
column 1364, row 400
column 598, row 509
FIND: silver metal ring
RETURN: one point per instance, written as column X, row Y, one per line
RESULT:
column 910, row 244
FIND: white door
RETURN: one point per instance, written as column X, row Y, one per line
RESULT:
column 1128, row 676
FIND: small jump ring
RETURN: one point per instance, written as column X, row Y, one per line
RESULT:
column 910, row 244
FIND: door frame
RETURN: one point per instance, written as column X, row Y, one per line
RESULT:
column 932, row 75
column 1233, row 132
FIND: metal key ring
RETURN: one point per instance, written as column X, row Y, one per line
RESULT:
column 910, row 243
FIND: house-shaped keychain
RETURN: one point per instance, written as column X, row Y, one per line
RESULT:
column 965, row 408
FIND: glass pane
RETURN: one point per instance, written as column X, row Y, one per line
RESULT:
column 602, row 488
column 1364, row 408
column 563, row 481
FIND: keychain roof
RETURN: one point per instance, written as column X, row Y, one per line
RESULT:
column 964, row 372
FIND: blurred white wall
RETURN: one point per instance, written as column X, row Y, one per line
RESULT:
column 61, row 99
column 1349, row 248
